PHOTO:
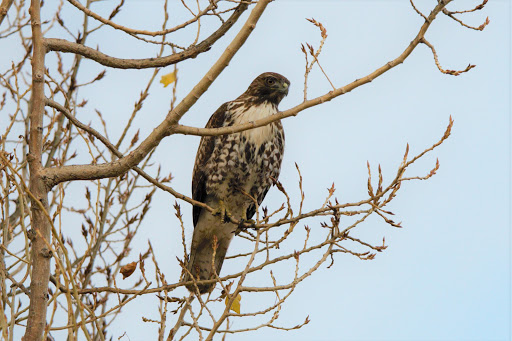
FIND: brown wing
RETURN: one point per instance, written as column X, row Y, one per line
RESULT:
column 204, row 153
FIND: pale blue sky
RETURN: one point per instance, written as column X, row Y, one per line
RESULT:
column 446, row 275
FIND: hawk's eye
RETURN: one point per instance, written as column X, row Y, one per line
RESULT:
column 271, row 81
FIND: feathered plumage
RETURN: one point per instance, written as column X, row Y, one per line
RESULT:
column 227, row 166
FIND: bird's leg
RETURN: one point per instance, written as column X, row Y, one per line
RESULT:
column 222, row 211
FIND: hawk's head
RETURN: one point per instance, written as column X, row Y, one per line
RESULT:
column 270, row 87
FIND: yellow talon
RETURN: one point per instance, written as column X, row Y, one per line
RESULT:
column 222, row 211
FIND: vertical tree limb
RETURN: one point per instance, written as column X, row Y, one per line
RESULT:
column 4, row 8
column 40, row 235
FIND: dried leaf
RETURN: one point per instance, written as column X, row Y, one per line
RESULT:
column 100, row 75
column 486, row 22
column 331, row 190
column 370, row 188
column 128, row 269
column 116, row 10
column 135, row 138
column 235, row 306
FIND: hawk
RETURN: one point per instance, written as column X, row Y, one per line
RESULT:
column 230, row 169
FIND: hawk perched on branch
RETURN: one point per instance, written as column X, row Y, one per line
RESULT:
column 232, row 171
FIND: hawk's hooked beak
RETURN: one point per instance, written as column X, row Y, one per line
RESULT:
column 283, row 87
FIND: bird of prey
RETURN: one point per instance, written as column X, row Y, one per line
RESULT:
column 232, row 171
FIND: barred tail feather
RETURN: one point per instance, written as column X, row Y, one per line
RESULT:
column 201, row 253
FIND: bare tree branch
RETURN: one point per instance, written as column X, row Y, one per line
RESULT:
column 187, row 130
column 117, row 153
column 89, row 241
column 61, row 45
column 436, row 60
column 128, row 30
column 54, row 176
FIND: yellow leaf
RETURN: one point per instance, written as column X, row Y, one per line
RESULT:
column 168, row 78
column 235, row 306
